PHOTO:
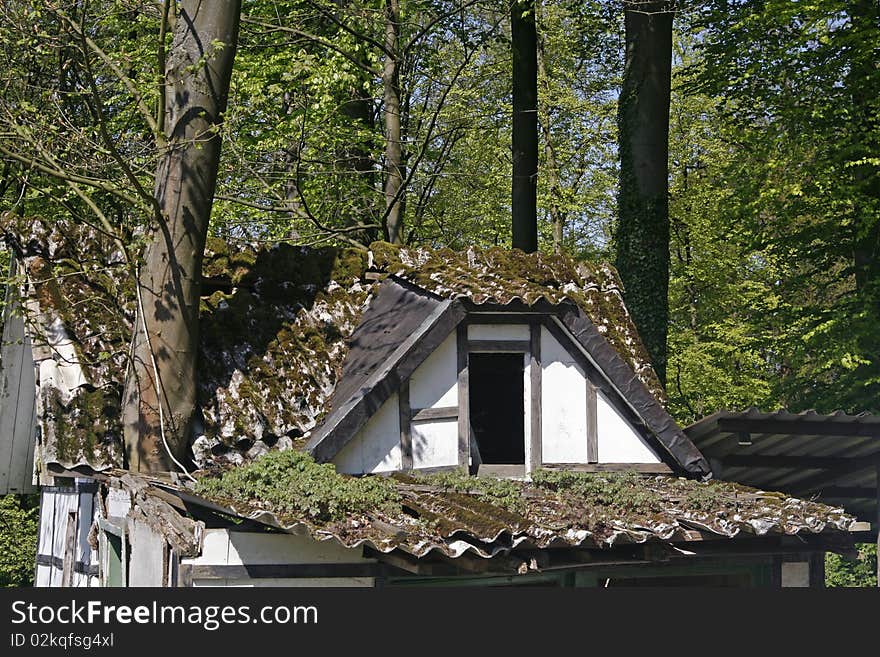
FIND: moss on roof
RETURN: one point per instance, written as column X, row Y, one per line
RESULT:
column 559, row 508
column 274, row 324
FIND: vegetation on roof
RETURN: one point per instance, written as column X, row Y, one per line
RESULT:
column 432, row 507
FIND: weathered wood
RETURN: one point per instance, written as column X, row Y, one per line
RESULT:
column 69, row 550
column 644, row 468
column 501, row 470
column 17, row 401
column 464, row 420
column 535, row 393
column 405, row 414
column 439, row 413
column 592, row 424
column 505, row 318
column 283, row 571
column 496, row 346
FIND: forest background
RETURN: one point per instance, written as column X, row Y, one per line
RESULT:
column 355, row 120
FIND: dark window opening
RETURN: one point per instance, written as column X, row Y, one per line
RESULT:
column 496, row 407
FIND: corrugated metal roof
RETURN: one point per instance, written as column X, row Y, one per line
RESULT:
column 830, row 456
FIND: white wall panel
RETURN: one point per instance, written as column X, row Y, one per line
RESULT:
column 376, row 447
column 435, row 443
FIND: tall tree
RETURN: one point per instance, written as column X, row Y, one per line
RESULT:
column 161, row 386
column 642, row 232
column 524, row 195
column 395, row 169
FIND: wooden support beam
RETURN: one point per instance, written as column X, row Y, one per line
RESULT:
column 439, row 413
column 405, row 415
column 505, row 318
column 798, row 426
column 498, row 346
column 643, row 468
column 592, row 424
column 535, row 385
column 464, row 420
column 501, row 470
column 800, row 462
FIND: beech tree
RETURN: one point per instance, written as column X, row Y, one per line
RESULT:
column 160, row 389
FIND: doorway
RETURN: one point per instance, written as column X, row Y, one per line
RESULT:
column 497, row 411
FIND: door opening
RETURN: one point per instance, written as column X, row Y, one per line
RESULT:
column 497, row 409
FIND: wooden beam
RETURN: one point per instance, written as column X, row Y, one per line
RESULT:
column 592, row 424
column 505, row 318
column 800, row 462
column 284, row 570
column 643, row 468
column 464, row 420
column 798, row 426
column 495, row 346
column 405, row 415
column 500, row 470
column 535, row 385
column 439, row 413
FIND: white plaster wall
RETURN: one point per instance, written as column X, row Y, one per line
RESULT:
column 435, row 383
column 435, row 443
column 376, row 447
column 222, row 547
column 498, row 332
column 619, row 442
column 563, row 404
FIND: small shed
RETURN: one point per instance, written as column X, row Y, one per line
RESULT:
column 397, row 366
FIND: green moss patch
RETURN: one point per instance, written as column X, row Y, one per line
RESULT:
column 291, row 483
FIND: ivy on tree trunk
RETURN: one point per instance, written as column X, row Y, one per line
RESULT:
column 642, row 235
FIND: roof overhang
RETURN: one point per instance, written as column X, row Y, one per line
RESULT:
column 835, row 458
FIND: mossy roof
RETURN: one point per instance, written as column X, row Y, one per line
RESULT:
column 454, row 515
column 274, row 326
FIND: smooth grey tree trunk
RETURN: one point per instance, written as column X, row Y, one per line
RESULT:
column 524, row 192
column 642, row 233
column 158, row 415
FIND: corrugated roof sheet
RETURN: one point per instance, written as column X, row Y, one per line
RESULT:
column 441, row 520
column 829, row 456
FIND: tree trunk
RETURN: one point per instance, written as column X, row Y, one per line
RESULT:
column 524, row 193
column 557, row 215
column 643, row 143
column 395, row 171
column 158, row 413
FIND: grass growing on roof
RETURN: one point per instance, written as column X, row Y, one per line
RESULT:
column 505, row 493
column 292, row 483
